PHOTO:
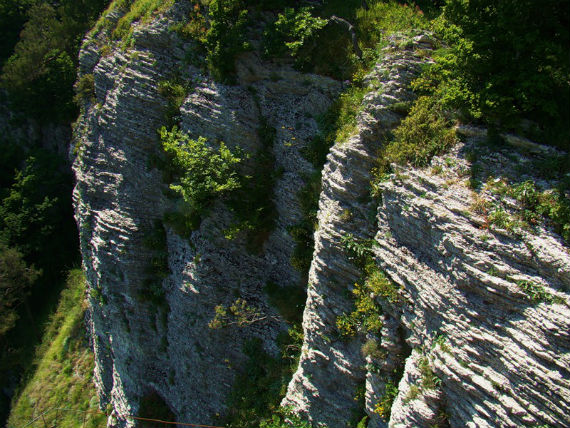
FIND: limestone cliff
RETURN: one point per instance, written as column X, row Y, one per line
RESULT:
column 494, row 357
column 141, row 347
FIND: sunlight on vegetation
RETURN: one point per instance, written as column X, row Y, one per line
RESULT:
column 64, row 368
column 202, row 173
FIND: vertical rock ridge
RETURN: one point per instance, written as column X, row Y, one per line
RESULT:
column 331, row 369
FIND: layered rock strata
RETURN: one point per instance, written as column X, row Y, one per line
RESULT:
column 332, row 368
column 152, row 339
column 466, row 345
column 501, row 353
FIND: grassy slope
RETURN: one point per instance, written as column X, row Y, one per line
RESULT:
column 63, row 368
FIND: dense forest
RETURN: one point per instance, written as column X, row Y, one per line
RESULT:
column 503, row 64
column 39, row 46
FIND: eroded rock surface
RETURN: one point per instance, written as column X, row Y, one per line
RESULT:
column 464, row 346
column 332, row 369
column 153, row 338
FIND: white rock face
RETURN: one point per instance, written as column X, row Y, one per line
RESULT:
column 331, row 368
column 166, row 348
column 504, row 359
column 494, row 357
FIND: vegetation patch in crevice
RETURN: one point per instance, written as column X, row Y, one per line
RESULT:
column 174, row 90
column 262, row 384
column 157, row 269
column 201, row 174
column 253, row 203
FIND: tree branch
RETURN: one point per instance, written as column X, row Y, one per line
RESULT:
column 352, row 32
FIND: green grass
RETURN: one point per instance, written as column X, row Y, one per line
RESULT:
column 136, row 11
column 63, row 368
column 426, row 132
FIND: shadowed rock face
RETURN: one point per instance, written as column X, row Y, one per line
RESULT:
column 501, row 359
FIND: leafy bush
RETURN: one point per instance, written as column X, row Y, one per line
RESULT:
column 380, row 285
column 425, row 133
column 550, row 204
column 259, row 388
column 31, row 213
column 291, row 31
column 175, row 91
column 226, row 37
column 384, row 406
column 506, row 61
column 366, row 315
column 203, row 173
column 13, row 15
column 253, row 203
column 39, row 75
column 84, row 88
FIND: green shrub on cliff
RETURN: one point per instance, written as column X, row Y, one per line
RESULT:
column 202, row 173
column 290, row 31
column 226, row 36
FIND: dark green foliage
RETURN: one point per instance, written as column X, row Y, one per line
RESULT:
column 13, row 15
column 85, row 88
column 290, row 301
column 284, row 418
column 202, row 173
column 508, row 61
column 253, row 202
column 553, row 205
column 12, row 155
column 227, row 36
column 175, row 91
column 31, row 213
column 16, row 279
column 39, row 75
column 41, row 72
column 291, row 30
column 302, row 233
column 259, row 388
column 423, row 134
column 358, row 250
